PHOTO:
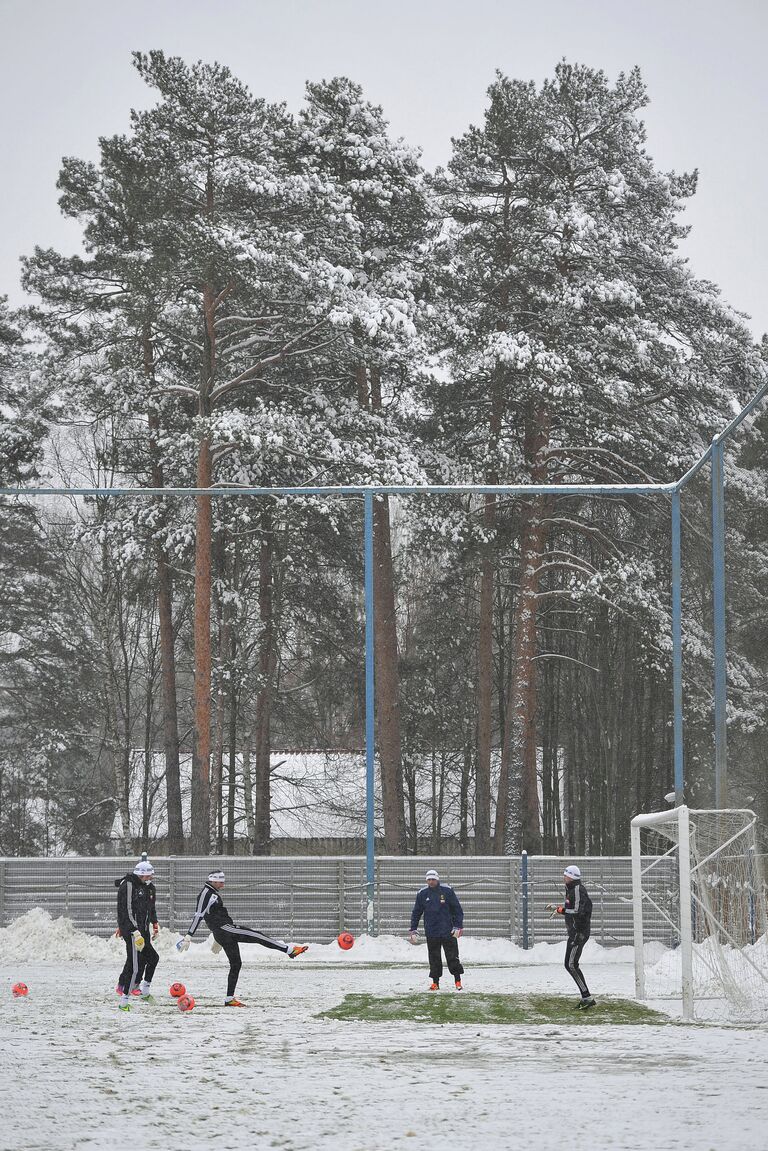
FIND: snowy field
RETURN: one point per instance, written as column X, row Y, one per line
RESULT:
column 77, row 1073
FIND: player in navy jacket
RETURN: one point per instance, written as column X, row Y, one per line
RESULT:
column 443, row 925
column 577, row 912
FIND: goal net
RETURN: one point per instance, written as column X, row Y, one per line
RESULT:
column 699, row 907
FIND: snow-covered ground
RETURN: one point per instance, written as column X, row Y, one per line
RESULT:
column 76, row 1073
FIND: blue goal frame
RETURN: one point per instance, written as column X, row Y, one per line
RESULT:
column 715, row 452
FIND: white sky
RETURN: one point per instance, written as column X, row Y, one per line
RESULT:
column 66, row 78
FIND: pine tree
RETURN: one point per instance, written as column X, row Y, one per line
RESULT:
column 582, row 336
column 346, row 139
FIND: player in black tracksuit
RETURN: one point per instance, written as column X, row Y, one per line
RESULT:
column 135, row 915
column 577, row 911
column 443, row 926
column 228, row 935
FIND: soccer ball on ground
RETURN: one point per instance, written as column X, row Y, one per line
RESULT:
column 345, row 940
column 185, row 1002
column 176, row 990
column 19, row 990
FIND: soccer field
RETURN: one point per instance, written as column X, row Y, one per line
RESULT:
column 79, row 1074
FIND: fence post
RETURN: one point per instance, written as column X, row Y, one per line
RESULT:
column 524, row 893
column 341, row 895
column 2, row 893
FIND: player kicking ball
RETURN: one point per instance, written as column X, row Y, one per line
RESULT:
column 229, row 935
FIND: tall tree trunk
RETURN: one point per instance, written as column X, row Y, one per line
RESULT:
column 112, row 737
column 519, row 749
column 387, row 666
column 201, row 747
column 485, row 688
column 250, row 824
column 386, row 660
column 223, row 623
column 267, row 664
column 387, row 680
column 466, row 774
column 174, row 811
column 485, row 639
column 232, row 772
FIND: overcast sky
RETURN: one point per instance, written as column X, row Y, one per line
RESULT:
column 66, row 78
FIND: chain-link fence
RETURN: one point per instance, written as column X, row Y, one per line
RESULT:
column 313, row 899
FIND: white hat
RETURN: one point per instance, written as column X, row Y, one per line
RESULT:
column 432, row 874
column 216, row 877
column 144, row 867
column 572, row 871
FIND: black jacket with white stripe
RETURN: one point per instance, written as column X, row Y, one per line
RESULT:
column 577, row 909
column 135, row 905
column 209, row 907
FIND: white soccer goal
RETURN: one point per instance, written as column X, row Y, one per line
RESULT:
column 699, row 908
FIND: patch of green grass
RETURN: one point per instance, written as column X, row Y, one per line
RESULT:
column 478, row 1008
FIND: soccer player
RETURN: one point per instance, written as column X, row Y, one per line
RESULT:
column 135, row 912
column 228, row 935
column 577, row 911
column 443, row 926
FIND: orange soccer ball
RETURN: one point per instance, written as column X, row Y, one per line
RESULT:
column 19, row 990
column 185, row 1002
column 176, row 990
column 345, row 940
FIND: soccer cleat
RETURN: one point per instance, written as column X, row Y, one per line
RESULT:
column 458, row 985
column 136, row 991
column 234, row 1003
column 585, row 1004
column 434, row 986
column 124, row 1005
column 297, row 949
column 147, row 997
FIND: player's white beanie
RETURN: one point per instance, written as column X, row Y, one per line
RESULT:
column 216, row 877
column 432, row 874
column 144, row 867
column 572, row 871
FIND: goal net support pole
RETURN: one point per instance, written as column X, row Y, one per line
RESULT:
column 653, row 819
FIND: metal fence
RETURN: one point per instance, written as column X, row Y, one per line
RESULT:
column 314, row 898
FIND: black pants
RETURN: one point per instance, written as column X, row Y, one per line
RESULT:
column 138, row 964
column 573, row 950
column 436, row 944
column 230, row 936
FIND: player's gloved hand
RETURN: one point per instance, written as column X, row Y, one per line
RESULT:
column 559, row 910
column 184, row 943
column 215, row 948
column 138, row 939
column 413, row 937
column 457, row 932
column 155, row 930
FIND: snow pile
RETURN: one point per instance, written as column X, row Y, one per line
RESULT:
column 36, row 936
